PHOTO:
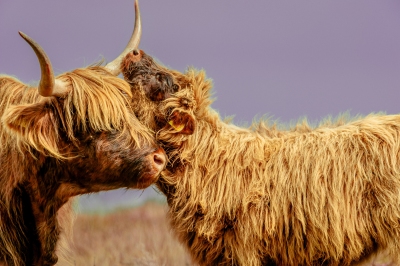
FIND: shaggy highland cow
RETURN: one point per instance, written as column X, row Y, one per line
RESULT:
column 72, row 134
column 328, row 195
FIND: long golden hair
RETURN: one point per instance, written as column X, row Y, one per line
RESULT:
column 91, row 105
column 325, row 195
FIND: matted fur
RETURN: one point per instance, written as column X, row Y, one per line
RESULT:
column 45, row 145
column 328, row 195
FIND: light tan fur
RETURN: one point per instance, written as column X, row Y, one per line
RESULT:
column 328, row 195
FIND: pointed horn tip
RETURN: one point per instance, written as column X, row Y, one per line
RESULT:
column 137, row 11
column 23, row 35
column 27, row 38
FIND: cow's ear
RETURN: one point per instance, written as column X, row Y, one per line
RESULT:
column 33, row 124
column 182, row 122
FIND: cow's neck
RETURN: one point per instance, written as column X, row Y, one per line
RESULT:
column 41, row 189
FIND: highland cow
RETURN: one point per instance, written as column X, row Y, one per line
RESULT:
column 328, row 195
column 72, row 134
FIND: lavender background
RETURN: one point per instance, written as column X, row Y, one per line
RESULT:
column 286, row 59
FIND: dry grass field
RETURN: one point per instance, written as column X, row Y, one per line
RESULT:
column 138, row 236
column 135, row 236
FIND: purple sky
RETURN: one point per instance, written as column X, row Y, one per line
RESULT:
column 287, row 59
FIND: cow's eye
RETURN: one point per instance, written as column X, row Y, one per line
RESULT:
column 175, row 87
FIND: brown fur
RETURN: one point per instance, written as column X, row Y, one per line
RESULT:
column 54, row 148
column 328, row 195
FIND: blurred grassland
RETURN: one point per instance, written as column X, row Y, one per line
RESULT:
column 139, row 236
column 134, row 236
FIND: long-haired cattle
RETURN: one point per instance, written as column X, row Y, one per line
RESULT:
column 328, row 195
column 70, row 135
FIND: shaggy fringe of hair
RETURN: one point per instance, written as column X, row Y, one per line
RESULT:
column 303, row 196
column 94, row 103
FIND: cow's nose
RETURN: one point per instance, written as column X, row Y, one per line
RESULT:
column 160, row 159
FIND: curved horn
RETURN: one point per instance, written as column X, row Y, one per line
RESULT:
column 114, row 66
column 48, row 85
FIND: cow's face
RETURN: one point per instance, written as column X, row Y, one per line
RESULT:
column 111, row 160
column 165, row 99
column 92, row 132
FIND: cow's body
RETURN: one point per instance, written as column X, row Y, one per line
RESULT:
column 259, row 196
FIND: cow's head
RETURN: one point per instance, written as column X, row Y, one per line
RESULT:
column 84, row 118
column 167, row 99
